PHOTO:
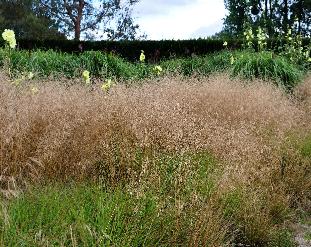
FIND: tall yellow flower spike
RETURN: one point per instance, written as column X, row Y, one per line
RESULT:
column 9, row 36
column 86, row 77
column 30, row 75
column 157, row 69
column 106, row 86
column 231, row 60
column 142, row 56
column 34, row 90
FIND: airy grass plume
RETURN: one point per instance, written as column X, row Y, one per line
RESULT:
column 225, row 117
column 144, row 136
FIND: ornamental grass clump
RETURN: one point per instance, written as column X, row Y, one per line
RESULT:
column 267, row 66
column 213, row 160
column 69, row 130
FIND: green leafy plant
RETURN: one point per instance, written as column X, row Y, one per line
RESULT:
column 267, row 66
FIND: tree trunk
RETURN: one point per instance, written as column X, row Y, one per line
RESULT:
column 266, row 10
column 266, row 14
column 270, row 21
column 300, row 9
column 77, row 31
column 78, row 19
column 285, row 17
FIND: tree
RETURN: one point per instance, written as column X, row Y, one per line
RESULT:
column 106, row 16
column 301, row 14
column 27, row 20
column 238, row 15
column 125, row 28
column 275, row 15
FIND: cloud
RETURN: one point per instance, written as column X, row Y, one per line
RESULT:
column 206, row 31
column 180, row 19
column 160, row 7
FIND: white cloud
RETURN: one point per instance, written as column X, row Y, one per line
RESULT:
column 160, row 7
column 209, row 30
column 182, row 19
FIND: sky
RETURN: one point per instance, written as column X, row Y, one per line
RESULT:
column 179, row 19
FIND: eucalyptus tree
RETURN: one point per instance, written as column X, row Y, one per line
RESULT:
column 275, row 15
column 90, row 17
column 27, row 20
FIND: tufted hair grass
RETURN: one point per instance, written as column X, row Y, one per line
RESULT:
column 150, row 138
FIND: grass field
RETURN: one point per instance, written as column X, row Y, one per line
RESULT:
column 246, row 64
column 172, row 161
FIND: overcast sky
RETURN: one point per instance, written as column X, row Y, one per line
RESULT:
column 179, row 19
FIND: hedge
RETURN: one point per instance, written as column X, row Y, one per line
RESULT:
column 154, row 50
column 130, row 50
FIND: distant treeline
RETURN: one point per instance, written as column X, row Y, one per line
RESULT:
column 154, row 50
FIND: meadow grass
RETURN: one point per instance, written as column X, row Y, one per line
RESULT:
column 171, row 162
column 244, row 64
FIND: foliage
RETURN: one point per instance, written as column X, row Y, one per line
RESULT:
column 171, row 162
column 264, row 65
column 89, row 18
column 274, row 16
column 28, row 20
column 154, row 50
column 130, row 50
column 89, row 214
column 267, row 66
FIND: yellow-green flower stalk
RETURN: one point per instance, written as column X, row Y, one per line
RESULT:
column 142, row 56
column 107, row 85
column 261, row 36
column 232, row 60
column 249, row 36
column 289, row 35
column 9, row 36
column 19, row 80
column 86, row 77
column 157, row 69
column 34, row 90
column 30, row 76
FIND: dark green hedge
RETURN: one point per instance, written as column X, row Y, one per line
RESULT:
column 154, row 50
column 130, row 50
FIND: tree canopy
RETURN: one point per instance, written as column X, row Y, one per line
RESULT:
column 55, row 19
column 274, row 15
column 89, row 18
column 28, row 20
